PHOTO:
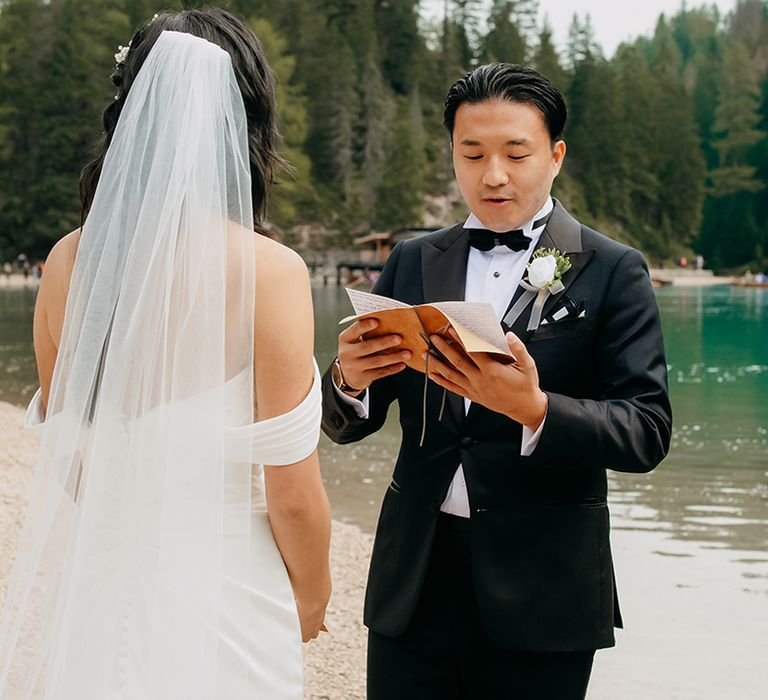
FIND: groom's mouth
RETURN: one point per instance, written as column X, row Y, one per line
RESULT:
column 496, row 201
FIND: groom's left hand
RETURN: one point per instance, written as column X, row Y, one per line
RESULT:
column 510, row 389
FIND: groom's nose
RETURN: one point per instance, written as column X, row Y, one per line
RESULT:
column 495, row 173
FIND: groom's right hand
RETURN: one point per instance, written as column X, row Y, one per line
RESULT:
column 364, row 360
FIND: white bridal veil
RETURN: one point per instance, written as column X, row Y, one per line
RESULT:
column 140, row 505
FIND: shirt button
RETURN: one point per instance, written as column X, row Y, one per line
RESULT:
column 497, row 274
column 467, row 442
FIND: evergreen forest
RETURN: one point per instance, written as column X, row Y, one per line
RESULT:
column 667, row 139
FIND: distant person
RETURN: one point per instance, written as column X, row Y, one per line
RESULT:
column 491, row 575
column 699, row 262
column 7, row 272
column 175, row 546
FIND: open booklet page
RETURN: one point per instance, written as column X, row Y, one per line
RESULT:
column 474, row 322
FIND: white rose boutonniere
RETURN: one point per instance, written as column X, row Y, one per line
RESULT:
column 545, row 273
column 541, row 271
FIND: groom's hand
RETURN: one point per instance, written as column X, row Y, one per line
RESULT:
column 364, row 360
column 510, row 389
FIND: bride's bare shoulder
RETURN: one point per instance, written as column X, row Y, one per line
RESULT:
column 61, row 260
column 276, row 264
column 51, row 304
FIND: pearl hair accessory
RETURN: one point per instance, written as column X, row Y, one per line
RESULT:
column 122, row 51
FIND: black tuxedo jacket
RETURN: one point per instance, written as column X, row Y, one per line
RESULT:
column 541, row 556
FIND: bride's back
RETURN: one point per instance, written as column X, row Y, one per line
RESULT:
column 282, row 325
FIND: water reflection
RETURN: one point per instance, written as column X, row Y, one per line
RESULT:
column 712, row 491
column 713, row 488
column 18, row 374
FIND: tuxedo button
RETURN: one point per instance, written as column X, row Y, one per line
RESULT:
column 467, row 442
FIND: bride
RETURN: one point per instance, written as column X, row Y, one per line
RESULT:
column 159, row 558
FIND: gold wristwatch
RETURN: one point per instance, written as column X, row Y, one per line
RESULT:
column 338, row 379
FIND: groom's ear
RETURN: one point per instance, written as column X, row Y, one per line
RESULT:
column 558, row 155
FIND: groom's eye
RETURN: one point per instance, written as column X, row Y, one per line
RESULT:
column 517, row 157
column 473, row 157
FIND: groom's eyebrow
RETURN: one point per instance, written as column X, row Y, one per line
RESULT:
column 511, row 142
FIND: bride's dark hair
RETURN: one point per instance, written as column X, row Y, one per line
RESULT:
column 254, row 77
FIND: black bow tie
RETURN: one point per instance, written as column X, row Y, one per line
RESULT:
column 483, row 239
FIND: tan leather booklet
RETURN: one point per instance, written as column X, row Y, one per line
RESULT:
column 474, row 322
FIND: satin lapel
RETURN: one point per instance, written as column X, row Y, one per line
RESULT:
column 564, row 233
column 444, row 266
column 444, row 278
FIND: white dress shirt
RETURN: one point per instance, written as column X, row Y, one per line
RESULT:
column 492, row 276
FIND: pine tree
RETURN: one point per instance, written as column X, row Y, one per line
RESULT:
column 25, row 37
column 376, row 121
column 697, row 35
column 87, row 34
column 749, row 24
column 546, row 59
column 525, row 15
column 637, row 203
column 400, row 200
column 737, row 117
column 593, row 135
column 678, row 161
column 401, row 46
column 731, row 233
column 504, row 40
column 330, row 81
column 293, row 191
column 581, row 42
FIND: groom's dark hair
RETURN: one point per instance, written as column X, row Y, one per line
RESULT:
column 511, row 82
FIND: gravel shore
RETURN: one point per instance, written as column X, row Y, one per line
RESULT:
column 335, row 662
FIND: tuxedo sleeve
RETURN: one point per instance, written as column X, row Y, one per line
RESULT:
column 341, row 422
column 628, row 426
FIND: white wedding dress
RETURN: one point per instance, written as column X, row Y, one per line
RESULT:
column 147, row 569
column 261, row 641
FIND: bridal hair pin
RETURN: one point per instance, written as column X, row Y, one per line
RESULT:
column 122, row 51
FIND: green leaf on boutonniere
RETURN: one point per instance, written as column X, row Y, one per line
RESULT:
column 562, row 262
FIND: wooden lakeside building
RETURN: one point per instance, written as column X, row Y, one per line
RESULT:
column 374, row 249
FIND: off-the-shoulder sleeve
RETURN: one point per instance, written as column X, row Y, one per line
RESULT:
column 287, row 438
column 34, row 418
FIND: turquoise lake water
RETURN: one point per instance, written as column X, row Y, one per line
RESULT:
column 712, row 489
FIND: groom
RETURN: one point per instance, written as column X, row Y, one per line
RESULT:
column 491, row 575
